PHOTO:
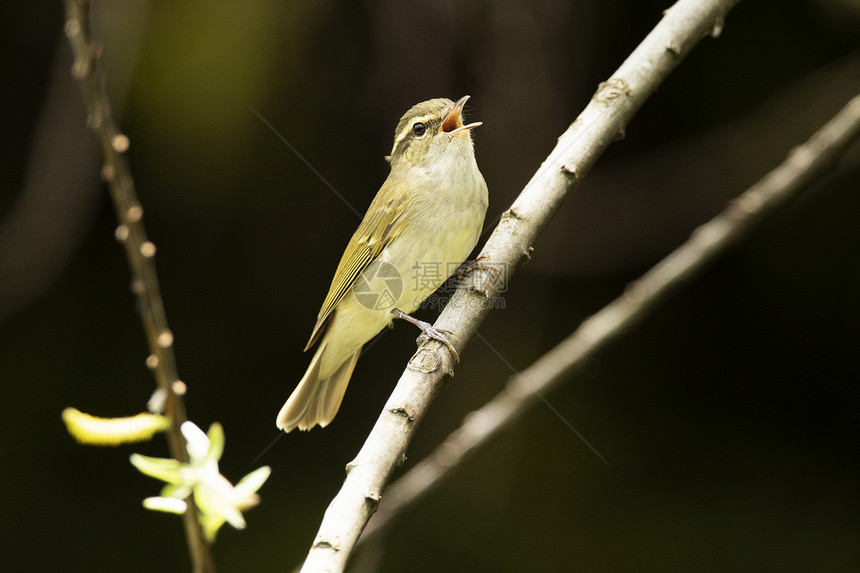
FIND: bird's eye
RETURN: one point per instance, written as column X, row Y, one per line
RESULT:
column 418, row 129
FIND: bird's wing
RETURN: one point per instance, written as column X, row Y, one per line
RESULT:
column 381, row 224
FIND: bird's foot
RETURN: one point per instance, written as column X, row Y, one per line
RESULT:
column 429, row 330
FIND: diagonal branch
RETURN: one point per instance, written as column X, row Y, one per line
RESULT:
column 602, row 121
column 140, row 251
column 805, row 166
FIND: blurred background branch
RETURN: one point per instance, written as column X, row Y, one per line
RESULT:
column 116, row 172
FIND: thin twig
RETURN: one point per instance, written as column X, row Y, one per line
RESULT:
column 140, row 251
column 805, row 166
column 602, row 122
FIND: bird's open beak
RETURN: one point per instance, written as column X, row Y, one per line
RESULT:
column 453, row 122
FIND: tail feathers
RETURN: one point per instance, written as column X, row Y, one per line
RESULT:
column 316, row 400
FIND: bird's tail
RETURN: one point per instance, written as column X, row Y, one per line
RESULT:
column 316, row 400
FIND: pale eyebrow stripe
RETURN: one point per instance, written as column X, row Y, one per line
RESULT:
column 407, row 129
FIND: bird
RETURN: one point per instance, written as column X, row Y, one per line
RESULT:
column 423, row 223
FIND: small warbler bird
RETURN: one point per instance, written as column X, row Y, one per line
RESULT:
column 422, row 224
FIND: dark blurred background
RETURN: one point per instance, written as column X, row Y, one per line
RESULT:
column 729, row 417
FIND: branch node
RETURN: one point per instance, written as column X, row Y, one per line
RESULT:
column 512, row 213
column 577, row 124
column 157, row 402
column 801, row 154
column 634, row 293
column 569, row 171
column 719, row 24
column 80, row 70
column 108, row 173
column 611, row 89
column 165, row 339
column 526, row 256
column 120, row 143
column 325, row 544
column 674, row 50
column 147, row 249
column 134, row 213
column 72, row 28
column 401, row 412
column 746, row 204
column 425, row 360
column 351, row 466
column 121, row 233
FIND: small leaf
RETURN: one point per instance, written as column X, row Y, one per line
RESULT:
column 96, row 431
column 160, row 468
column 216, row 441
column 254, row 480
column 166, row 504
column 180, row 491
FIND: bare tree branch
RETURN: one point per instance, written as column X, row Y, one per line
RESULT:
column 602, row 122
column 805, row 166
column 139, row 249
